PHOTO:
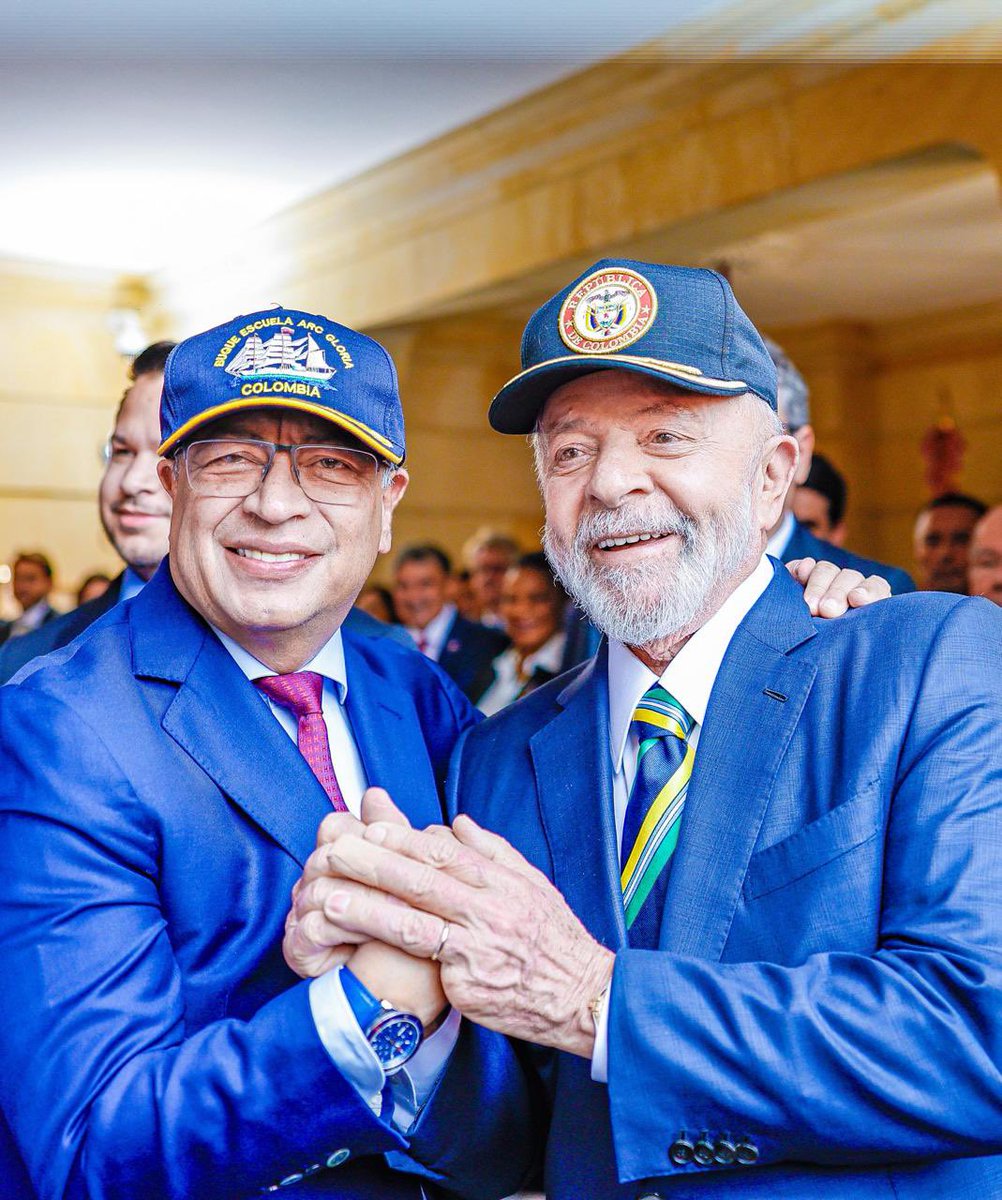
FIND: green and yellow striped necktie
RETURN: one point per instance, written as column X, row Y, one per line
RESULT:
column 654, row 811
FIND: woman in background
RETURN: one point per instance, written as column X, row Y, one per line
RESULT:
column 532, row 607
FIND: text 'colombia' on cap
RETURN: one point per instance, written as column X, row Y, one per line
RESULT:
column 678, row 324
column 282, row 358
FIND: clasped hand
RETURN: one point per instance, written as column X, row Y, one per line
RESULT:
column 510, row 953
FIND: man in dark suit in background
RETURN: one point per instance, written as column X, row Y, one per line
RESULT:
column 135, row 510
column 942, row 538
column 788, row 539
column 463, row 649
column 32, row 583
column 819, row 503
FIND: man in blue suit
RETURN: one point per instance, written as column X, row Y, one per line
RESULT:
column 162, row 782
column 747, row 894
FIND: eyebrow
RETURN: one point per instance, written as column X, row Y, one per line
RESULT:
column 658, row 408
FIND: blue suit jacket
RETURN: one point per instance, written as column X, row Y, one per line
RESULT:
column 153, row 818
column 17, row 652
column 829, row 980
column 467, row 655
column 803, row 544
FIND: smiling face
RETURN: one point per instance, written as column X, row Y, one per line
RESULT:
column 531, row 607
column 984, row 571
column 657, row 500
column 135, row 509
column 275, row 570
column 419, row 591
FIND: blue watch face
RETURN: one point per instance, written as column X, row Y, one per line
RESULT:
column 395, row 1039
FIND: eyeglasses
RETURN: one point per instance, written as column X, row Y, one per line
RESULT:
column 233, row 467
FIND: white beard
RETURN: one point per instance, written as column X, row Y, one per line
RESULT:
column 661, row 599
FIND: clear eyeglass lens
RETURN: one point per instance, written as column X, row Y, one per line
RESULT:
column 327, row 474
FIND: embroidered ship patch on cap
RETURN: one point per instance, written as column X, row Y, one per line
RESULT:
column 607, row 311
column 290, row 361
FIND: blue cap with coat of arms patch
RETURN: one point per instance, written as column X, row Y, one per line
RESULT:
column 681, row 325
column 282, row 358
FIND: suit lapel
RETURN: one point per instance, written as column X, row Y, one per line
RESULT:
column 570, row 756
column 218, row 718
column 741, row 745
column 388, row 735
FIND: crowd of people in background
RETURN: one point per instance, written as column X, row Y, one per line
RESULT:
column 498, row 623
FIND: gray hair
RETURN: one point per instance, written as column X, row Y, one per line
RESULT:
column 792, row 392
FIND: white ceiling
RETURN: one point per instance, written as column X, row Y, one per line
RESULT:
column 137, row 131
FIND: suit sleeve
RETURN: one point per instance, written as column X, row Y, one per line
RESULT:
column 847, row 1058
column 107, row 1092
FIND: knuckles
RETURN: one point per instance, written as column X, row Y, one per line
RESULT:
column 415, row 930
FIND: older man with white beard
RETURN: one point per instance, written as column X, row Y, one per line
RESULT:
column 748, row 898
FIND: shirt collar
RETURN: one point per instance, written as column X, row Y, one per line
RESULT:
column 132, row 584
column 691, row 674
column 433, row 634
column 328, row 662
column 776, row 545
column 549, row 656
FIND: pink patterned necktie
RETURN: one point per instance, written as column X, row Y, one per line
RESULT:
column 300, row 693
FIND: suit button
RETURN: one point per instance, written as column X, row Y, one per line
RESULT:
column 314, row 1169
column 703, row 1151
column 338, row 1157
column 680, row 1151
column 746, row 1152
column 649, row 1196
column 295, row 1177
column 723, row 1152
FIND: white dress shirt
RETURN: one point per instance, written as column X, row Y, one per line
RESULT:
column 431, row 640
column 776, row 545
column 689, row 677
column 509, row 682
column 31, row 619
column 332, row 1014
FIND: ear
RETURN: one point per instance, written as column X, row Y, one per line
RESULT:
column 779, row 465
column 805, row 440
column 392, row 495
column 165, row 472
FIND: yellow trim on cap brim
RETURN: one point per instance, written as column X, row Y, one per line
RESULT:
column 672, row 370
column 375, row 441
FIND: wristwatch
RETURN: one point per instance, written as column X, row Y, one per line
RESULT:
column 393, row 1035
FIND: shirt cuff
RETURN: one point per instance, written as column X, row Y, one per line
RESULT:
column 413, row 1086
column 343, row 1039
column 600, row 1054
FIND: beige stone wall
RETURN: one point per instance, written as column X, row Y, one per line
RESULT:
column 876, row 389
column 60, row 384
column 463, row 475
column 443, row 250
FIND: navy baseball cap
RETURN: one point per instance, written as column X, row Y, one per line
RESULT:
column 678, row 324
column 281, row 358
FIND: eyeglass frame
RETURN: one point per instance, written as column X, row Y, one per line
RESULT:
column 388, row 472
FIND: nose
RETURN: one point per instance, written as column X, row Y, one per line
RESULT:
column 617, row 474
column 279, row 497
column 141, row 474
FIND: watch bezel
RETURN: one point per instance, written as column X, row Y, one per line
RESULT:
column 393, row 1063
